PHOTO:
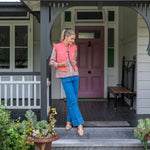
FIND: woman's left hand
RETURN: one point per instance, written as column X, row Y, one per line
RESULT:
column 74, row 62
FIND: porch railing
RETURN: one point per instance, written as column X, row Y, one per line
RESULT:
column 20, row 90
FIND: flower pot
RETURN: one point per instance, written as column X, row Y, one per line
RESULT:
column 147, row 137
column 43, row 143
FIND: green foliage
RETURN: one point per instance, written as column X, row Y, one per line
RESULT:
column 40, row 129
column 12, row 135
column 143, row 129
column 31, row 117
column 52, row 120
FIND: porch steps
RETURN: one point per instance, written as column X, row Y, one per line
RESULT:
column 97, row 138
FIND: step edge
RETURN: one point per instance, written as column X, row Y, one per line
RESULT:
column 97, row 143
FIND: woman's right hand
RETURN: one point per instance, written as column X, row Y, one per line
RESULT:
column 63, row 64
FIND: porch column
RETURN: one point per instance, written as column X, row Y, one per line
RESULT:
column 45, row 52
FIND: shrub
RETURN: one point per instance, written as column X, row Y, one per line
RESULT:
column 12, row 133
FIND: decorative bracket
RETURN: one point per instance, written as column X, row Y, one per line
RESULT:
column 55, row 9
column 144, row 11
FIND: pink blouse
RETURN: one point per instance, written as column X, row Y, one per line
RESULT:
column 62, row 74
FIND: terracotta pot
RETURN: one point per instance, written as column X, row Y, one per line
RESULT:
column 147, row 137
column 43, row 143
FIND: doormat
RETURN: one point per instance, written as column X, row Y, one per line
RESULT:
column 106, row 124
column 92, row 99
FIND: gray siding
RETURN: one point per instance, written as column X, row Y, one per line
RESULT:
column 143, row 68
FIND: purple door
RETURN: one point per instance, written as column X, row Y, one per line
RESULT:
column 90, row 42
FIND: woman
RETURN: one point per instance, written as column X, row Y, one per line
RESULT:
column 63, row 59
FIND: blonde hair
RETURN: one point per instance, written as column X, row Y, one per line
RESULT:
column 66, row 32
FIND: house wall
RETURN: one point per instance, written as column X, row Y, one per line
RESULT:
column 127, row 39
column 55, row 36
column 143, row 68
column 127, row 35
column 56, row 83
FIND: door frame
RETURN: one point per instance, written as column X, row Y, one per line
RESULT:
column 91, row 27
column 108, row 72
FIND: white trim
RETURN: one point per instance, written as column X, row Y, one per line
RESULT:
column 107, row 24
column 105, row 58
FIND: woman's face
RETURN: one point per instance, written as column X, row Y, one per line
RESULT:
column 70, row 39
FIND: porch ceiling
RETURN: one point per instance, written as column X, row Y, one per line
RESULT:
column 34, row 5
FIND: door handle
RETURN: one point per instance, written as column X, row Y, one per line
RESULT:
column 89, row 44
column 89, row 72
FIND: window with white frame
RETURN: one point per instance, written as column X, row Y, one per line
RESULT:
column 15, row 47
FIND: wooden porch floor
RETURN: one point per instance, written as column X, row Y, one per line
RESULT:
column 91, row 111
column 98, row 111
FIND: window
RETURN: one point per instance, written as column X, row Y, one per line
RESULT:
column 110, row 47
column 89, row 34
column 67, row 16
column 4, row 47
column 111, row 16
column 89, row 16
column 21, row 46
column 15, row 48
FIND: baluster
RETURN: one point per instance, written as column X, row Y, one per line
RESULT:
column 17, row 95
column 29, row 95
column 23, row 91
column 34, row 91
column 11, row 91
column 5, row 99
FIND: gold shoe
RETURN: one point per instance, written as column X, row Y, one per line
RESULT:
column 68, row 126
column 80, row 130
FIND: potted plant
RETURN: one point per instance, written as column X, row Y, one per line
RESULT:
column 41, row 133
column 142, row 131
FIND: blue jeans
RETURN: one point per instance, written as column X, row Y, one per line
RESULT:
column 71, row 86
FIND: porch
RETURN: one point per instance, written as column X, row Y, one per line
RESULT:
column 95, row 113
column 99, row 113
column 96, row 137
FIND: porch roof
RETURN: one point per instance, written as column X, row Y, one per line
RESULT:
column 34, row 5
column 91, row 0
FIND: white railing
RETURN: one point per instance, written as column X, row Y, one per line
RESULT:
column 20, row 90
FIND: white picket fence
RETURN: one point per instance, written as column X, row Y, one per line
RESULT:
column 20, row 91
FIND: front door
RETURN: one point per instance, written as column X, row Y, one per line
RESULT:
column 90, row 42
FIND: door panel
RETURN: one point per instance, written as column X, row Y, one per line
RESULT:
column 91, row 62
